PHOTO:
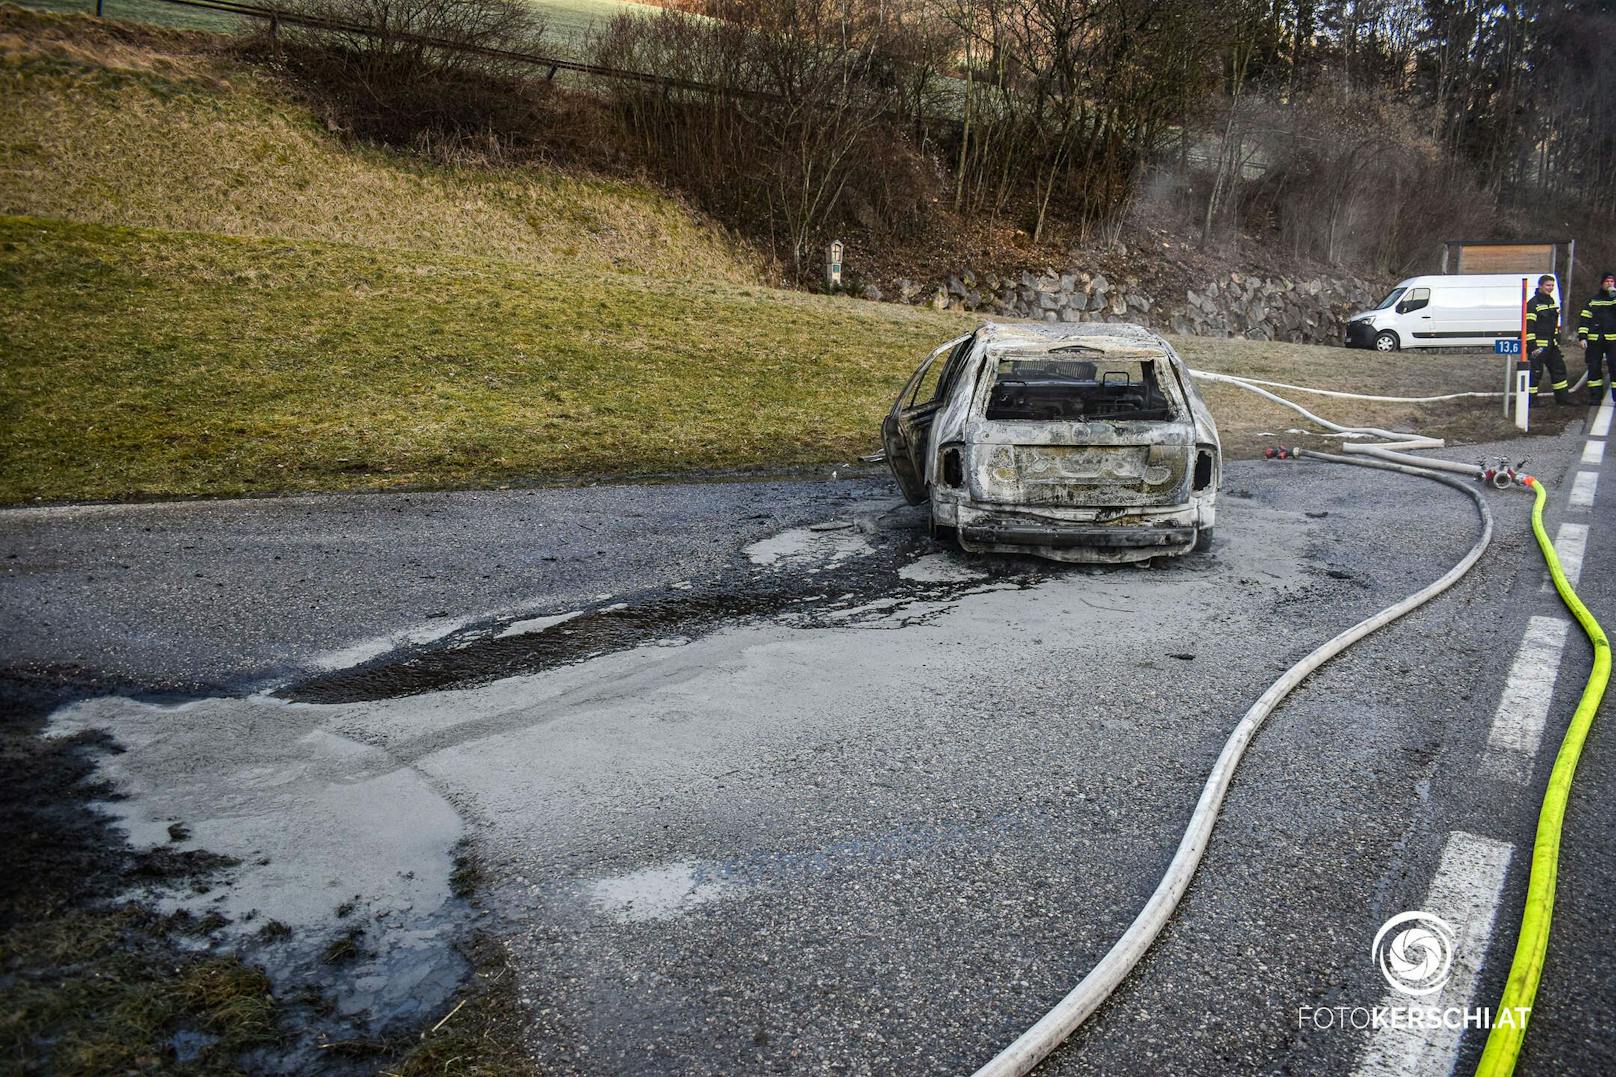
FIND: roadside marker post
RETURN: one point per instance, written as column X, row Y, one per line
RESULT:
column 1523, row 370
column 1517, row 378
column 1511, row 351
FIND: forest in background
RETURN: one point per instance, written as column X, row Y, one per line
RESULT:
column 1355, row 135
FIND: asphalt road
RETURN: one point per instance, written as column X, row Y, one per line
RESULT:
column 793, row 788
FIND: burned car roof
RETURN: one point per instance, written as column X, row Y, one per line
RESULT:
column 1113, row 336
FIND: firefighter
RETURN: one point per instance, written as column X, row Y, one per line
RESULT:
column 1596, row 331
column 1543, row 340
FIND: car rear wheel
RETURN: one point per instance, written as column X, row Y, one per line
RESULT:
column 1386, row 341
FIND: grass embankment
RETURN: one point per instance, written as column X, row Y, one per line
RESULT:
column 109, row 124
column 290, row 312
column 144, row 363
column 151, row 363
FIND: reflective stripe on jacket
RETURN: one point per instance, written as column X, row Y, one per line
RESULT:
column 1542, row 321
column 1598, row 319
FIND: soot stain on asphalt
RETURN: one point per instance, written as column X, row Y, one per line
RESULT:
column 91, row 925
column 864, row 591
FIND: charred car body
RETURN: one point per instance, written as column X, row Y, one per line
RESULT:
column 1074, row 442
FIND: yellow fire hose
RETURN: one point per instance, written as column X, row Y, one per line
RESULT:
column 1504, row 1041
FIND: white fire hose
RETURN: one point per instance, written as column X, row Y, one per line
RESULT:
column 1051, row 1030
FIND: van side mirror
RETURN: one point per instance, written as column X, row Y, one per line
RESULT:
column 1411, row 304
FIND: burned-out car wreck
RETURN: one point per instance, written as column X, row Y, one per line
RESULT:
column 1069, row 441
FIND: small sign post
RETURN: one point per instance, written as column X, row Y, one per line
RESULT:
column 1510, row 349
column 833, row 265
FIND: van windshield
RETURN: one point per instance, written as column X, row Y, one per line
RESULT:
column 1393, row 296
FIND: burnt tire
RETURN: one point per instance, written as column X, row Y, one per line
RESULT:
column 1203, row 539
column 1387, row 341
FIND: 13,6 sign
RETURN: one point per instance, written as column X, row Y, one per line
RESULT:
column 1510, row 346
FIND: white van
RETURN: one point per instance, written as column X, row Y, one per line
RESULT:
column 1448, row 311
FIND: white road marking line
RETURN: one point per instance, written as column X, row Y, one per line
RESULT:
column 1523, row 709
column 1601, row 426
column 1570, row 545
column 1465, row 892
column 1582, row 489
column 1470, row 878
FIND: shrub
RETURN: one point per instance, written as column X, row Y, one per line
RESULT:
column 801, row 125
column 425, row 73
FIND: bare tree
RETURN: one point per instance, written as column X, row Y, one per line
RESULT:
column 395, row 69
column 802, row 102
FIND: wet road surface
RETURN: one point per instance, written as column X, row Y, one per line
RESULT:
column 776, row 783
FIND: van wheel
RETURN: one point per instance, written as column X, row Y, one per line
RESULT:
column 1386, row 341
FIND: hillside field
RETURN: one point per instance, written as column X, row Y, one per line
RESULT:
column 204, row 292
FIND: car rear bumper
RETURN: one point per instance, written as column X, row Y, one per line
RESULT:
column 1063, row 537
column 1137, row 536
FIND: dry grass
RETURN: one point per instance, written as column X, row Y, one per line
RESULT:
column 149, row 128
column 147, row 363
column 147, row 12
column 97, row 991
column 570, row 24
column 26, row 34
column 1250, row 424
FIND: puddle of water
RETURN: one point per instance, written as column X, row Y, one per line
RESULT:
column 940, row 568
column 317, row 821
column 658, row 893
column 537, row 624
column 803, row 547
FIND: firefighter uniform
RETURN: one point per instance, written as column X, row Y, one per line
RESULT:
column 1596, row 329
column 1543, row 344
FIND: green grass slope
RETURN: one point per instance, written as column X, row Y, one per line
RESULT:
column 156, row 129
column 147, row 363
column 141, row 363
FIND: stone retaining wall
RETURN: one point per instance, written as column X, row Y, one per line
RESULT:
column 1310, row 311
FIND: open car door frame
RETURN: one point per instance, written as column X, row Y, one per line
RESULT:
column 905, row 430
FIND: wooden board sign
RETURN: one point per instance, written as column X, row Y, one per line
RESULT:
column 1506, row 258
